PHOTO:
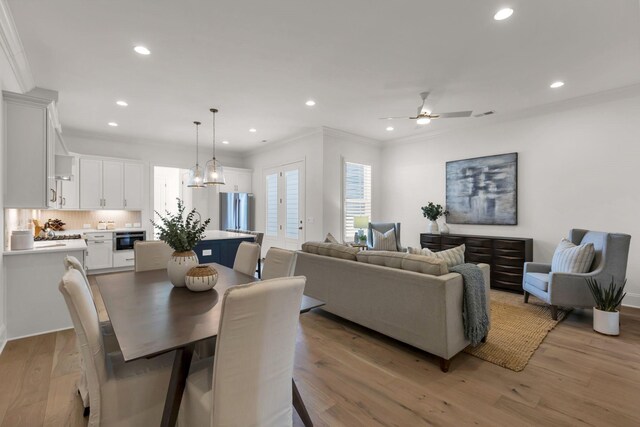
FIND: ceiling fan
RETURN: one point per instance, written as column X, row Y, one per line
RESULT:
column 425, row 116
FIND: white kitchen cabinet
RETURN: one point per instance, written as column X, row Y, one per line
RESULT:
column 90, row 184
column 123, row 259
column 237, row 180
column 99, row 250
column 133, row 185
column 68, row 190
column 112, row 185
column 29, row 159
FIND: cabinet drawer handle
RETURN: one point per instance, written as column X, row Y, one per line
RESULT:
column 130, row 259
column 53, row 195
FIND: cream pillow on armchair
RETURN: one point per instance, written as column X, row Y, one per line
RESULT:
column 384, row 242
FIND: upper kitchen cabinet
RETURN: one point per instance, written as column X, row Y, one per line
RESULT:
column 237, row 180
column 67, row 177
column 110, row 184
column 133, row 184
column 30, row 144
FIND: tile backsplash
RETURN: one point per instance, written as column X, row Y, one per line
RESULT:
column 75, row 220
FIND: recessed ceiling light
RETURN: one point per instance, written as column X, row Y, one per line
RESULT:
column 253, row 130
column 113, row 124
column 122, row 103
column 556, row 85
column 142, row 50
column 389, row 128
column 225, row 142
column 310, row 103
column 503, row 14
column 423, row 121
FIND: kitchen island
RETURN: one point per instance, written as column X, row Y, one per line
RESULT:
column 220, row 247
column 36, row 306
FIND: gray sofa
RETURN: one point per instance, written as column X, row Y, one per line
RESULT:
column 419, row 309
column 569, row 289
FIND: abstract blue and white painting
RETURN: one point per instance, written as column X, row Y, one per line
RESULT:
column 483, row 190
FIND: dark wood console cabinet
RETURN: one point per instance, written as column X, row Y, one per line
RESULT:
column 505, row 255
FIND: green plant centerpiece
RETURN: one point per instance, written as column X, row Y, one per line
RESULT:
column 182, row 233
column 432, row 212
column 606, row 317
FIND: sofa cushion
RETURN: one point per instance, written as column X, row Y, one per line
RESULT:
column 453, row 256
column 538, row 280
column 383, row 258
column 424, row 264
column 418, row 251
column 384, row 241
column 571, row 258
column 334, row 250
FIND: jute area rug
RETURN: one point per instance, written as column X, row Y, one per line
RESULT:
column 517, row 330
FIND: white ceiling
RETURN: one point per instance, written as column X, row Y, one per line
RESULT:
column 259, row 61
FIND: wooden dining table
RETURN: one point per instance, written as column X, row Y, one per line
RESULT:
column 151, row 317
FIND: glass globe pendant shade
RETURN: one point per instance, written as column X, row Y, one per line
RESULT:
column 196, row 174
column 214, row 173
column 196, row 177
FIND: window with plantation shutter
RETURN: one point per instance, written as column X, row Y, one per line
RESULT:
column 357, row 196
column 271, row 228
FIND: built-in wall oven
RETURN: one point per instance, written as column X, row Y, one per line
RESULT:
column 124, row 240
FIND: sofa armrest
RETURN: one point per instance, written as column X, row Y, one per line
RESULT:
column 536, row 267
column 570, row 289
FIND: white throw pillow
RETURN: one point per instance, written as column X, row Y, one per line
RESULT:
column 384, row 242
column 452, row 257
column 572, row 258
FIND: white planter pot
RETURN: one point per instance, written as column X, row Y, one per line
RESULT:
column 606, row 322
column 433, row 228
column 178, row 266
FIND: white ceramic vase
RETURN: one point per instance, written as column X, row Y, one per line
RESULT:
column 606, row 322
column 178, row 266
column 433, row 228
column 444, row 228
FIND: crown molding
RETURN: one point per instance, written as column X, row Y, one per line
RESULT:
column 14, row 50
column 351, row 136
column 123, row 139
column 288, row 140
column 526, row 113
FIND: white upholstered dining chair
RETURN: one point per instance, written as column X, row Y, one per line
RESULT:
column 278, row 263
column 247, row 258
column 120, row 394
column 109, row 338
column 248, row 383
column 151, row 255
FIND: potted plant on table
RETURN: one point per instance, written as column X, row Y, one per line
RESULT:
column 606, row 317
column 182, row 234
column 432, row 212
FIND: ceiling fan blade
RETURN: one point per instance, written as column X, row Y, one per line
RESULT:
column 486, row 113
column 421, row 108
column 453, row 115
column 393, row 118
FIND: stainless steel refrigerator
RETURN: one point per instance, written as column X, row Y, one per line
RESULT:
column 237, row 211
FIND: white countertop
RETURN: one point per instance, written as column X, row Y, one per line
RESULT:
column 95, row 230
column 49, row 246
column 225, row 235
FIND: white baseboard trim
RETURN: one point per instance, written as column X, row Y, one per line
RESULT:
column 39, row 333
column 631, row 300
column 3, row 337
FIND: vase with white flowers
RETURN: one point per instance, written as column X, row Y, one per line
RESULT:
column 182, row 234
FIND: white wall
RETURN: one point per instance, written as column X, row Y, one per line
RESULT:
column 339, row 147
column 307, row 148
column 578, row 168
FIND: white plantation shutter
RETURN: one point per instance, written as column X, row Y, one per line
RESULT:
column 357, row 195
column 271, row 228
column 292, row 215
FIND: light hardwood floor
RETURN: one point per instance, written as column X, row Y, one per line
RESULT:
column 350, row 376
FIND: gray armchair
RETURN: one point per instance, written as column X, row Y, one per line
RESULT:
column 571, row 290
column 383, row 227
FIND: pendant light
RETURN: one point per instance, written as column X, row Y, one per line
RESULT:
column 213, row 171
column 196, row 174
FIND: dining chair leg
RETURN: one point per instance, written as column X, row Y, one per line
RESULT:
column 177, row 383
column 298, row 404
